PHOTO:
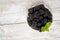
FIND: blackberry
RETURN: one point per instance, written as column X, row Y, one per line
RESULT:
column 41, row 12
column 31, row 10
column 36, row 20
column 44, row 21
column 38, row 16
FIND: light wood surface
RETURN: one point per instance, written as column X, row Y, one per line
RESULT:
column 13, row 22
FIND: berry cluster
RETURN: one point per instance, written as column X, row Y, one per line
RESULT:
column 38, row 16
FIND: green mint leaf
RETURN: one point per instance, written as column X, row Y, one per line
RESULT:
column 46, row 27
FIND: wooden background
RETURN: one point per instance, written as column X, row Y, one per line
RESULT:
column 13, row 20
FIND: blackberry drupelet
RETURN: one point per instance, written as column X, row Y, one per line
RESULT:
column 38, row 16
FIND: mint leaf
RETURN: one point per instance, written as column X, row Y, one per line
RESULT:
column 46, row 27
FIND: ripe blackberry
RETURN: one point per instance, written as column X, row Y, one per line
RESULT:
column 38, row 16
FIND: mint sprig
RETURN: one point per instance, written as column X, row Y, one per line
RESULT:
column 46, row 27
